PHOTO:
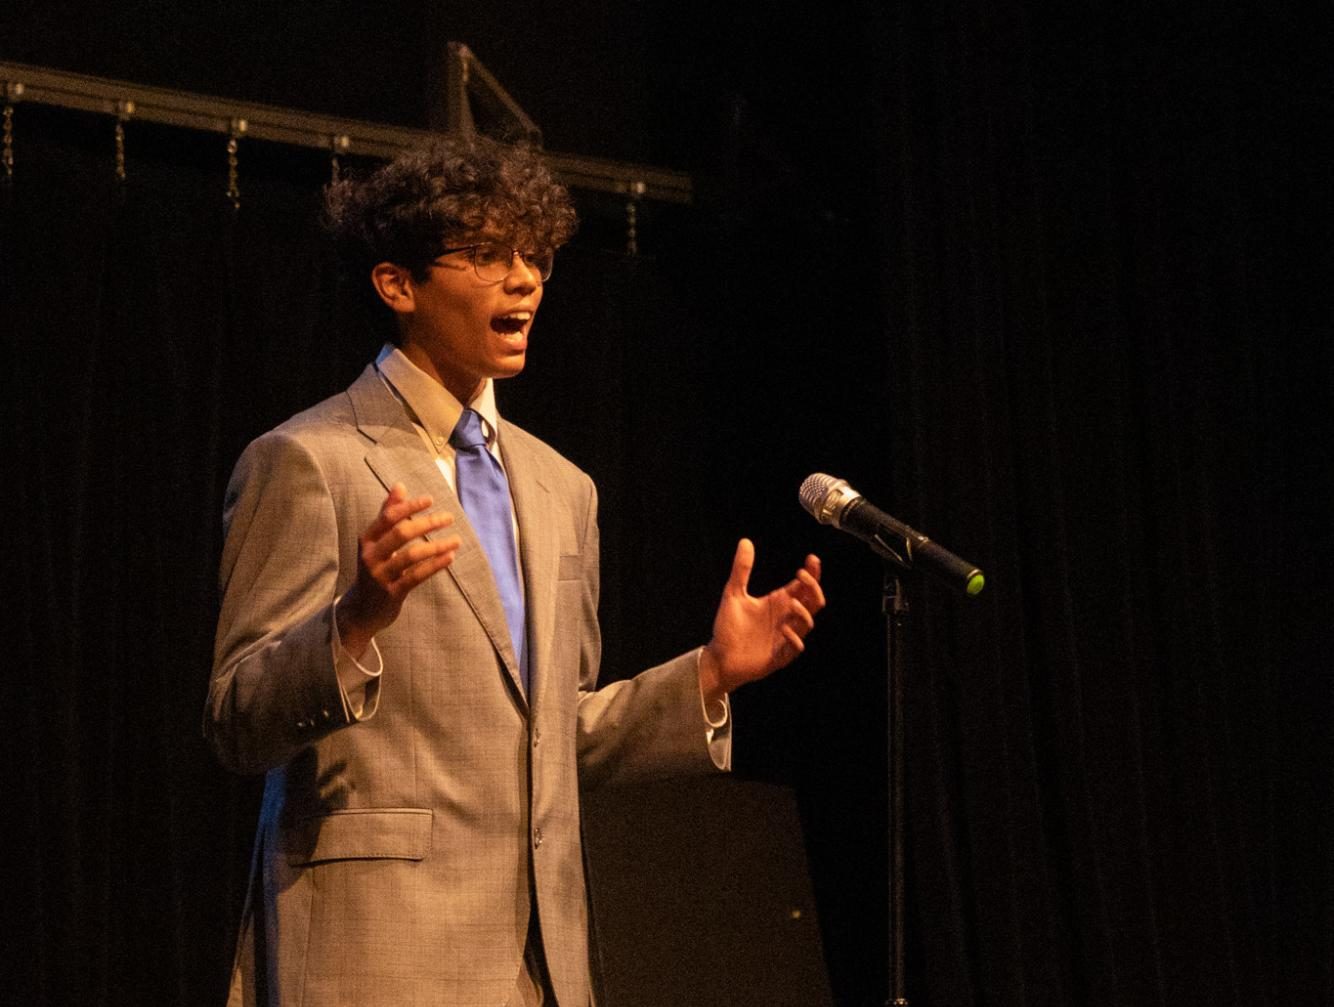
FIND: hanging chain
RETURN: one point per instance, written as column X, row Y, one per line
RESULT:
column 637, row 190
column 631, row 228
column 120, row 150
column 233, row 189
column 12, row 91
column 339, row 145
column 8, row 155
column 233, row 163
column 124, row 109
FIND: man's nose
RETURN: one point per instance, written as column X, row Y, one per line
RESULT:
column 522, row 275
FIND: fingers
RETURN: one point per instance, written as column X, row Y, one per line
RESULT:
column 802, row 598
column 793, row 638
column 414, row 564
column 404, row 531
column 393, row 558
column 404, row 568
column 742, row 564
column 806, row 586
column 394, row 552
column 397, row 505
column 801, row 616
column 792, row 622
column 394, row 524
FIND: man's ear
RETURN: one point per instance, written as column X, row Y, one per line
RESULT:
column 395, row 286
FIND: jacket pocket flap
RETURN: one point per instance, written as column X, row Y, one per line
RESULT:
column 360, row 834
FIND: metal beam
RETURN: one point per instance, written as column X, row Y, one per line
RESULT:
column 127, row 101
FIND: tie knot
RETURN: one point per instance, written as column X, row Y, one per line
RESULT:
column 468, row 431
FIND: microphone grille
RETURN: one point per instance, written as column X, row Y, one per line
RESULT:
column 814, row 492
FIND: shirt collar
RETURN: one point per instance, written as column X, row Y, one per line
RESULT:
column 432, row 405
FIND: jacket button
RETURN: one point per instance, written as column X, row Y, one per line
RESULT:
column 537, row 837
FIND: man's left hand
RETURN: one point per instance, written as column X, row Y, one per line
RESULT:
column 754, row 637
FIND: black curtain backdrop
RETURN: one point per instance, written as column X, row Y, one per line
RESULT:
column 1051, row 287
column 1108, row 305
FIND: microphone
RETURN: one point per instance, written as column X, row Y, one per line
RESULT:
column 833, row 501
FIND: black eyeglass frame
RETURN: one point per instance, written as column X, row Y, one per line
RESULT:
column 545, row 274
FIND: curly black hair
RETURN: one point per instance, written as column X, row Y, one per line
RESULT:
column 426, row 199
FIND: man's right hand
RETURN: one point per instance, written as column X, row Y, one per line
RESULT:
column 392, row 559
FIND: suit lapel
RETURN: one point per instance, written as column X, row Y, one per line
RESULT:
column 538, row 550
column 398, row 455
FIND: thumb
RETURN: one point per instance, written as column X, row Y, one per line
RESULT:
column 742, row 563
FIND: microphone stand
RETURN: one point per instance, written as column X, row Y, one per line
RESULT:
column 894, row 606
column 833, row 501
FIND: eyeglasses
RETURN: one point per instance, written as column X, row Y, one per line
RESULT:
column 492, row 262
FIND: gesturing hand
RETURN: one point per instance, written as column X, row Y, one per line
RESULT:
column 753, row 637
column 392, row 559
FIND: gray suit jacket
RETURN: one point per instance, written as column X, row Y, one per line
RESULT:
column 398, row 855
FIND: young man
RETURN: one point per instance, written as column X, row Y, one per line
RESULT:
column 408, row 644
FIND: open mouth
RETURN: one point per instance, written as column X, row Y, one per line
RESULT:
column 511, row 325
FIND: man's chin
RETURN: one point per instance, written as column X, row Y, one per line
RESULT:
column 510, row 366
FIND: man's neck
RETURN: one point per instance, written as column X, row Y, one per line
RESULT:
column 463, row 387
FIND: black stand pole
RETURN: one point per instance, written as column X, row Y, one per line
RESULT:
column 895, row 609
column 833, row 501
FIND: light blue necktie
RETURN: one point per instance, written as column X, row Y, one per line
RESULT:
column 485, row 495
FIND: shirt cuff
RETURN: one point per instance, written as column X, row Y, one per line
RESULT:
column 358, row 684
column 717, row 725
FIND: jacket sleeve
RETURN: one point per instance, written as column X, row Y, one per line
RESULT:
column 274, row 688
